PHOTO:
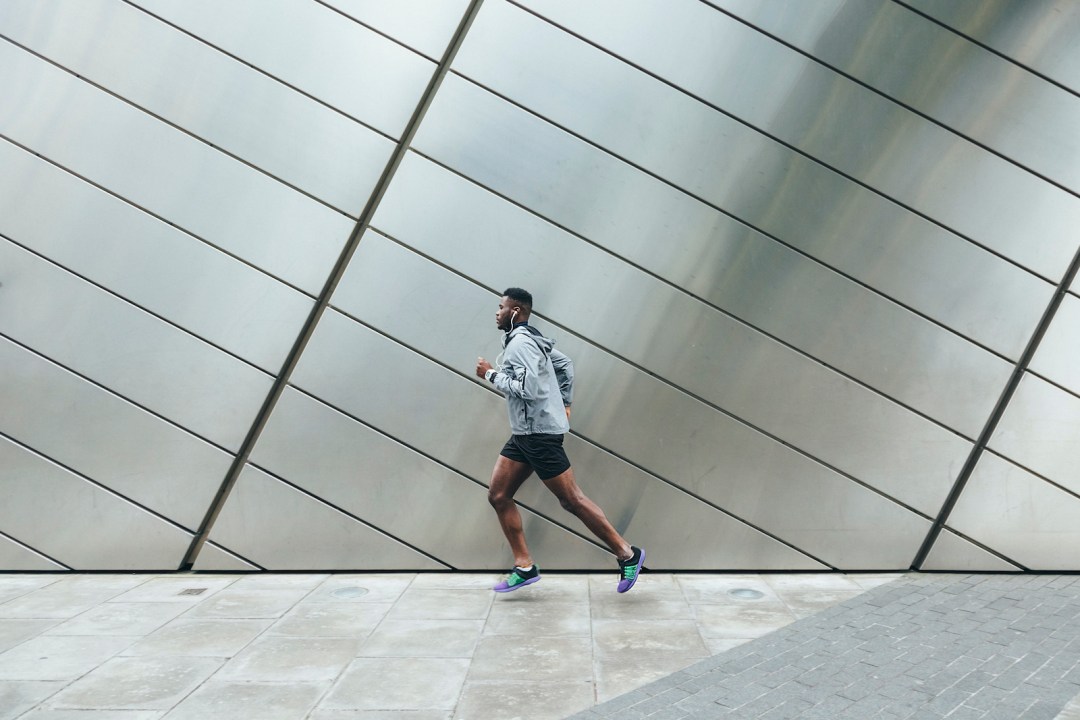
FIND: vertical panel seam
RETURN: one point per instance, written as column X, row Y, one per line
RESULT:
column 1019, row 371
column 332, row 281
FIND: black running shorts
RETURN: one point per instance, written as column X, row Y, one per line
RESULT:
column 543, row 453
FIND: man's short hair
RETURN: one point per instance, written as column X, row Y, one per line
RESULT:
column 522, row 297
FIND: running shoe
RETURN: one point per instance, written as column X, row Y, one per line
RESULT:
column 630, row 569
column 518, row 578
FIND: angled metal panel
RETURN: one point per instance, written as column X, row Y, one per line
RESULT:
column 147, row 261
column 182, row 80
column 99, row 531
column 349, row 365
column 19, row 558
column 213, row 558
column 1040, row 430
column 651, row 424
column 952, row 553
column 167, row 172
column 838, row 122
column 638, row 318
column 389, row 387
column 109, row 440
column 314, row 49
column 848, row 327
column 1020, row 515
column 1041, row 35
column 374, row 477
column 425, row 25
column 936, row 72
column 739, row 170
column 281, row 528
column 129, row 351
column 1058, row 356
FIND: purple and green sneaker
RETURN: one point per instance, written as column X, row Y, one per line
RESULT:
column 630, row 569
column 518, row 578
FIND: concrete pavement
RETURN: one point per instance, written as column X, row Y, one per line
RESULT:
column 371, row 647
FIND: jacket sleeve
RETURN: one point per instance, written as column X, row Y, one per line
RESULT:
column 564, row 371
column 524, row 359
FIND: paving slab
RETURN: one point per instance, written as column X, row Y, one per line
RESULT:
column 246, row 700
column 20, row 696
column 399, row 684
column 130, row 683
column 62, row 658
column 424, row 638
column 532, row 700
column 346, row 620
column 199, row 638
column 286, row 659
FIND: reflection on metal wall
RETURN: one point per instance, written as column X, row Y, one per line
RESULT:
column 816, row 267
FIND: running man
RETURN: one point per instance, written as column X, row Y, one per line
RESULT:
column 538, row 383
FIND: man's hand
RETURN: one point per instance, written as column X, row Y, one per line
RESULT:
column 482, row 366
column 567, row 412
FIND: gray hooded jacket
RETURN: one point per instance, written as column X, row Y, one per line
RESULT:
column 537, row 381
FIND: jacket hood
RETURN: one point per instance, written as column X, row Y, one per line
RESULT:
column 545, row 343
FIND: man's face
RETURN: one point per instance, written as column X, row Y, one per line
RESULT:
column 504, row 318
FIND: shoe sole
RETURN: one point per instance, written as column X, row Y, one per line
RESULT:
column 637, row 573
column 530, row 581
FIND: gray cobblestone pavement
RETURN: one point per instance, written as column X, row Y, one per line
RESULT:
column 996, row 647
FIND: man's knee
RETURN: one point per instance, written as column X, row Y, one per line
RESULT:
column 499, row 499
column 572, row 502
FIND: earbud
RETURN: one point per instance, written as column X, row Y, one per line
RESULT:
column 512, row 316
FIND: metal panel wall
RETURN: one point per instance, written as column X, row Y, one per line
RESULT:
column 147, row 261
column 341, row 160
column 815, row 267
column 817, row 111
column 97, row 526
column 167, row 172
column 967, row 88
column 1038, row 35
column 177, row 181
column 144, row 359
column 650, row 325
column 743, row 485
column 770, row 281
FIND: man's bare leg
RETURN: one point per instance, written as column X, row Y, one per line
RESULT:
column 506, row 478
column 572, row 499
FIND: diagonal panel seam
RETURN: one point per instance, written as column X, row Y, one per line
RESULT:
column 331, row 284
column 30, row 548
column 1019, row 371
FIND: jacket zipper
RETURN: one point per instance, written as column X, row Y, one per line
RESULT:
column 524, row 403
